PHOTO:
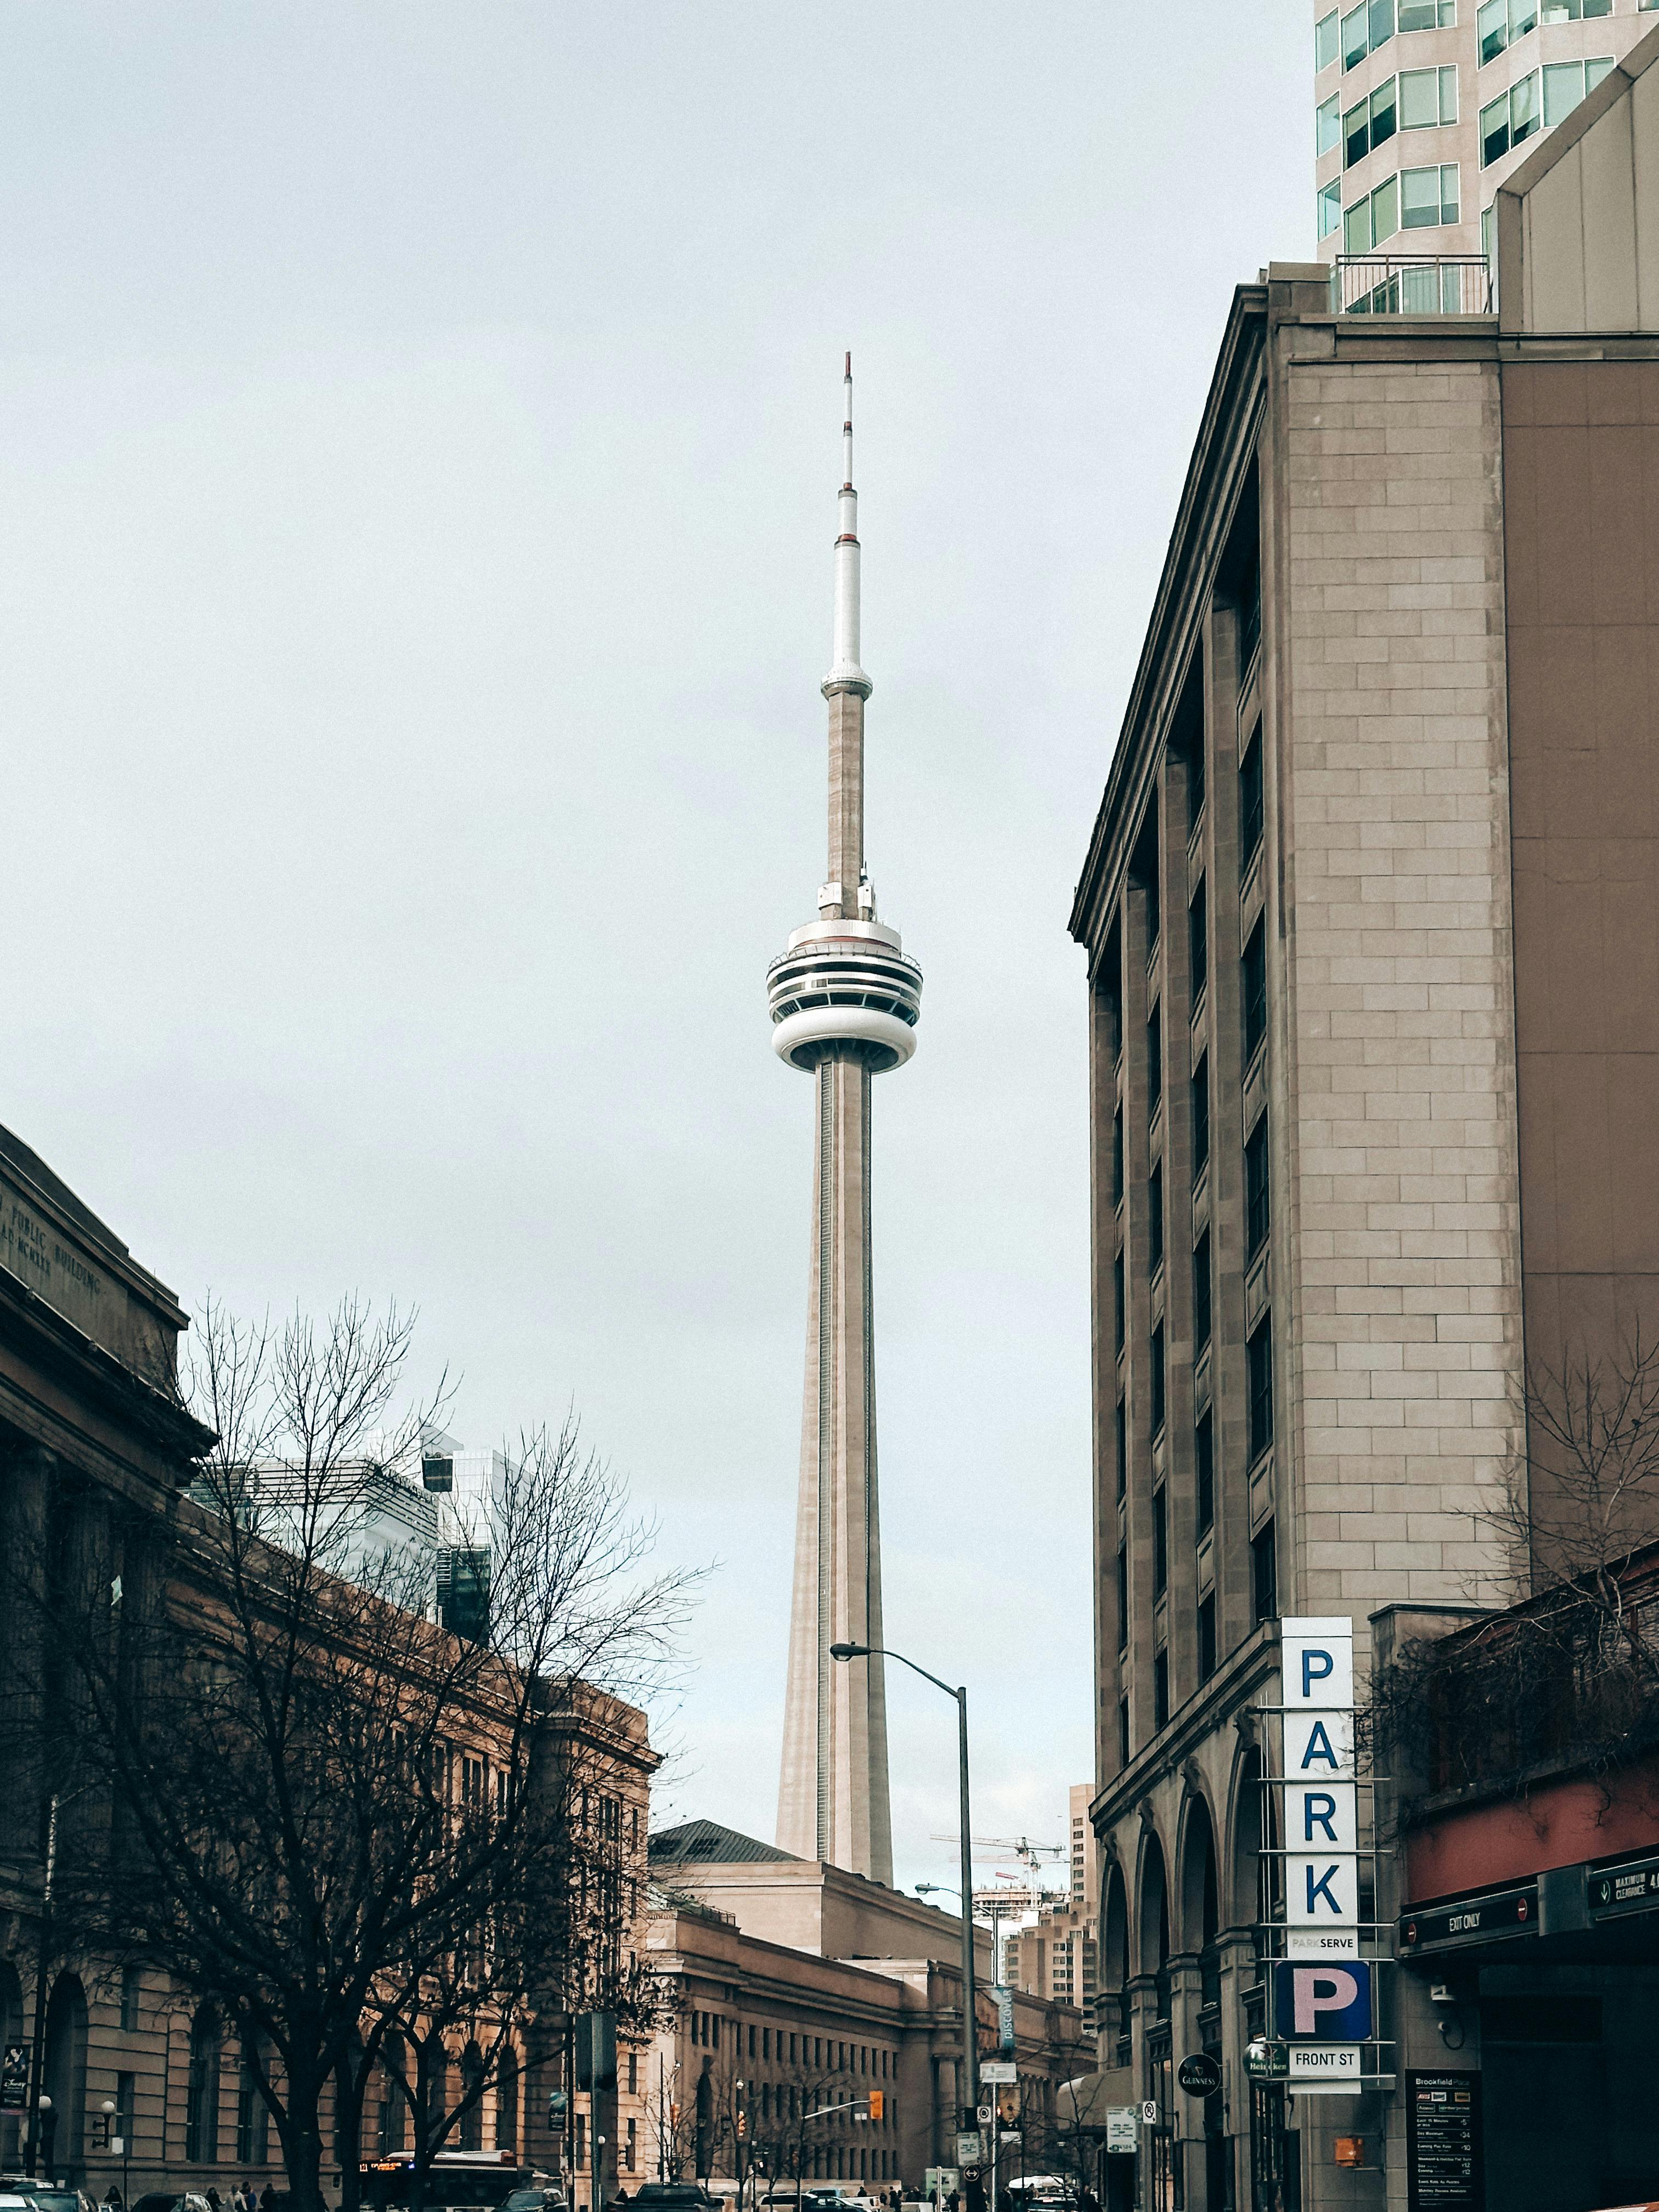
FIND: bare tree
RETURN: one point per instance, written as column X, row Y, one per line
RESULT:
column 788, row 2124
column 1569, row 1670
column 671, row 2120
column 311, row 1804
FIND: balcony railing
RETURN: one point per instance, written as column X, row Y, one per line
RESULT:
column 1411, row 284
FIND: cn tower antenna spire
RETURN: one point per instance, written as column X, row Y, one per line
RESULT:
column 846, row 674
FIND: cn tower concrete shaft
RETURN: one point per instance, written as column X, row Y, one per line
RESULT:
column 844, row 1003
column 833, row 1801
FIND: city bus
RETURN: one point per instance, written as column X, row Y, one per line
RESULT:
column 458, row 2181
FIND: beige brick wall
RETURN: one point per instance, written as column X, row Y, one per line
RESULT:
column 1400, row 1260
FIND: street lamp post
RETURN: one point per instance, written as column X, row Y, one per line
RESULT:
column 39, row 2103
column 969, row 1994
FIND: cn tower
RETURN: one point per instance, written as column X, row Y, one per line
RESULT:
column 845, row 1002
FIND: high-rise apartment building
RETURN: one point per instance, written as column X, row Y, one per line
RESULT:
column 1370, row 909
column 1423, row 108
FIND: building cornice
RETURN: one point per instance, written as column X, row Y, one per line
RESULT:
column 1226, row 1697
column 1203, row 514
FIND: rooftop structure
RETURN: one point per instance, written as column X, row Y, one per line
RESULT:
column 1424, row 108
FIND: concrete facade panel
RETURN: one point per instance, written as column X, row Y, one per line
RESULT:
column 1397, row 939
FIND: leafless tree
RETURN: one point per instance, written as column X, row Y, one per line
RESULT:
column 311, row 1803
column 1569, row 1669
column 671, row 2120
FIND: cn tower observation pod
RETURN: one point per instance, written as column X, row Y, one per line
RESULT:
column 844, row 989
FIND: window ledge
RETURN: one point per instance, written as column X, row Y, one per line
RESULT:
column 1249, row 882
column 1201, row 1380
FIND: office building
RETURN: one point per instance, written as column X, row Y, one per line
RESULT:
column 1370, row 909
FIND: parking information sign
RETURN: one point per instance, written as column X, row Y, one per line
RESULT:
column 1443, row 2167
column 1321, row 1826
column 1122, row 2127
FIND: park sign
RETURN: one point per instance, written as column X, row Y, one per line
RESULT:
column 1321, row 1824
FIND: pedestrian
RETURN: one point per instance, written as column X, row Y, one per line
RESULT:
column 267, row 2199
column 216, row 2202
column 113, row 2197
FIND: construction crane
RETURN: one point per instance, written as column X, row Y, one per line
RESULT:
column 1030, row 1855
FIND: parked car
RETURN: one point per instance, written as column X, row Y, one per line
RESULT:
column 673, row 2197
column 46, row 2196
column 170, row 2200
column 536, row 2196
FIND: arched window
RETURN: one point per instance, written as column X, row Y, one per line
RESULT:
column 11, row 2029
column 1154, row 1922
column 1115, row 1964
column 202, row 2101
column 252, row 2116
column 472, row 2072
column 507, row 2102
column 1255, row 1869
column 66, row 2072
column 1200, row 1906
column 391, row 2118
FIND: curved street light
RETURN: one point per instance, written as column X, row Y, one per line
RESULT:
column 969, row 1994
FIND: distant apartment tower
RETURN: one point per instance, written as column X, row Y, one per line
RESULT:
column 1368, row 908
column 1084, row 1858
column 1423, row 108
column 425, row 1544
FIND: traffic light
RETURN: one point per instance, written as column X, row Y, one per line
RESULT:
column 743, row 2124
column 878, row 2103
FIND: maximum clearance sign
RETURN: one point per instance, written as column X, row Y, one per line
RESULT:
column 1321, row 1824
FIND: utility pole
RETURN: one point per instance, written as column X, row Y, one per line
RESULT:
column 968, row 2117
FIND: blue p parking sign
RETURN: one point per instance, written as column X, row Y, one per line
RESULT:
column 1330, row 2002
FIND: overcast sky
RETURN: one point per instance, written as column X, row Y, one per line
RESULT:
column 421, row 442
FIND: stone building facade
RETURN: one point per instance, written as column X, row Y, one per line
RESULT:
column 96, row 1455
column 1369, row 899
column 811, row 1986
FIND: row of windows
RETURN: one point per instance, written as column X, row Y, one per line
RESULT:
column 1145, row 873
column 1510, row 119
column 821, row 2051
column 1411, row 199
column 1264, row 1597
column 1500, row 23
column 1416, row 100
column 1362, row 30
